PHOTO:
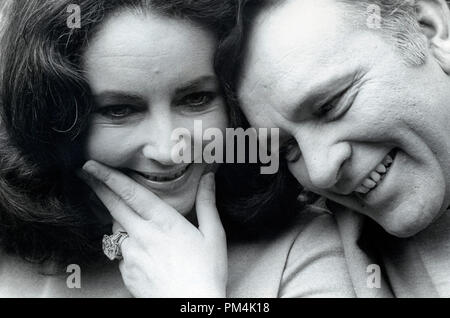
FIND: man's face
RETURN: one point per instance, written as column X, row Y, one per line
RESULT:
column 373, row 132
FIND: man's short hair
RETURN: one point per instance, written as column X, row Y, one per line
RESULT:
column 397, row 22
column 395, row 19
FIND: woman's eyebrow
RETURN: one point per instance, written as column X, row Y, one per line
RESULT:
column 197, row 84
column 118, row 97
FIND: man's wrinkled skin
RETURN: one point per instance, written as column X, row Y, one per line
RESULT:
column 344, row 98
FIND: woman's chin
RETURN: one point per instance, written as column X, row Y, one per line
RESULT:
column 183, row 205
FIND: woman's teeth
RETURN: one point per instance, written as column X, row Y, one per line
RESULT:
column 165, row 178
column 376, row 176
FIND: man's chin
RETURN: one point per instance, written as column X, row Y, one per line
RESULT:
column 403, row 231
column 407, row 221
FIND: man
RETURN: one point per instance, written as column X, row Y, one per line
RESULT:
column 361, row 93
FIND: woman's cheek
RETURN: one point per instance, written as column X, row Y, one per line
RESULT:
column 218, row 119
column 107, row 145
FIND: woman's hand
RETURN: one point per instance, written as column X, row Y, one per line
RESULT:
column 165, row 255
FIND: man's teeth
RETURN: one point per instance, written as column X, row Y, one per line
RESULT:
column 362, row 189
column 381, row 168
column 388, row 160
column 165, row 178
column 376, row 176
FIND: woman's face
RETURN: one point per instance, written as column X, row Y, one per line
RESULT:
column 149, row 75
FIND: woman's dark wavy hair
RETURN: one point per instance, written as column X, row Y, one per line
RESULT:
column 45, row 211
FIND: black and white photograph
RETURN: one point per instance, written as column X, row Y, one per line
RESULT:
column 225, row 149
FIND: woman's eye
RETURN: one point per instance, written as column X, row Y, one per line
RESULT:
column 291, row 151
column 197, row 100
column 116, row 111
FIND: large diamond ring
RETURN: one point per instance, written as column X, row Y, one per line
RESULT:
column 112, row 243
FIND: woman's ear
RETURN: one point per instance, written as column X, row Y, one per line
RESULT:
column 434, row 18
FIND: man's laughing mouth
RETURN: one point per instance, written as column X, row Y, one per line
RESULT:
column 376, row 177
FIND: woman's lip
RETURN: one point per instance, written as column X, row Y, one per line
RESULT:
column 172, row 175
column 163, row 185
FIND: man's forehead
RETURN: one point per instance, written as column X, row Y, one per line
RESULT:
column 280, row 37
column 303, row 20
column 282, row 72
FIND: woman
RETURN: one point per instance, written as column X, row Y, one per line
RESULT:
column 109, row 94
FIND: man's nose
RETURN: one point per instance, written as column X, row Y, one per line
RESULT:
column 158, row 144
column 324, row 157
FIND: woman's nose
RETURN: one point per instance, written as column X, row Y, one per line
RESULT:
column 324, row 158
column 161, row 154
column 158, row 145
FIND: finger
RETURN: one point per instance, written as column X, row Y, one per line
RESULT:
column 208, row 216
column 121, row 212
column 132, row 253
column 140, row 199
column 123, row 246
column 117, row 227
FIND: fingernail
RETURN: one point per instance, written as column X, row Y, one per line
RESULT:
column 91, row 168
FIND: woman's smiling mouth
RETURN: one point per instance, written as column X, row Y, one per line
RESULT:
column 375, row 178
column 164, row 177
column 163, row 181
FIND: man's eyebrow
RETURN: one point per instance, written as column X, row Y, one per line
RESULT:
column 118, row 97
column 197, row 84
column 325, row 90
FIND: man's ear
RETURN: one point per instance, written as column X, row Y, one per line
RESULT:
column 434, row 18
